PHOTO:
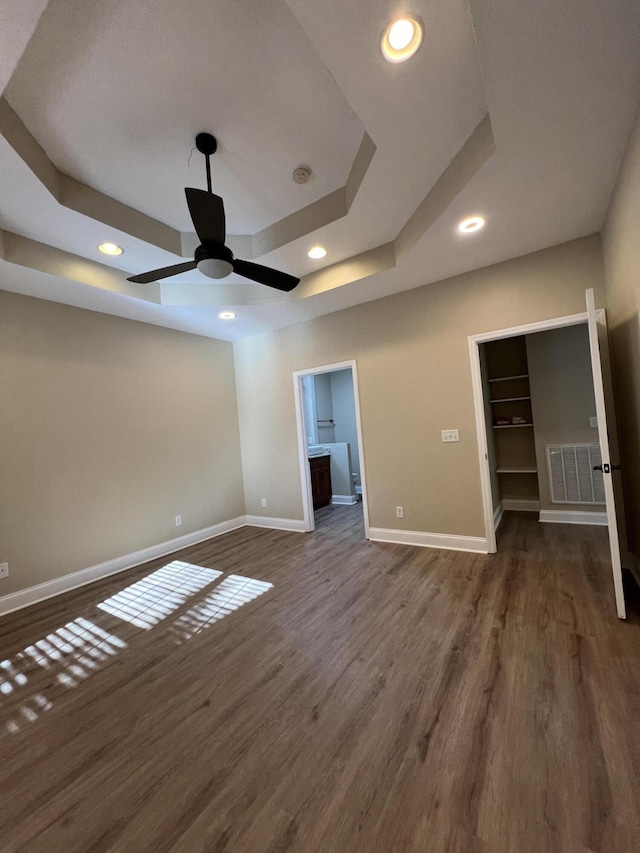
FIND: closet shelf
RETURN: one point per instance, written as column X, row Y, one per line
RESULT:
column 512, row 426
column 509, row 399
column 507, row 378
column 516, row 470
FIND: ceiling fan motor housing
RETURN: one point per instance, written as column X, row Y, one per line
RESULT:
column 214, row 261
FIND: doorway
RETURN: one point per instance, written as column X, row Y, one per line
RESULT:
column 332, row 472
column 533, row 467
column 541, row 426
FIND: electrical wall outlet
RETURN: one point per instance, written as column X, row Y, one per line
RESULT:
column 264, row 503
column 178, row 521
column 593, row 422
column 450, row 435
column 4, row 570
column 399, row 512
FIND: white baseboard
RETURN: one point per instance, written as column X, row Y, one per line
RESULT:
column 344, row 500
column 56, row 586
column 497, row 516
column 518, row 505
column 476, row 544
column 275, row 523
column 561, row 516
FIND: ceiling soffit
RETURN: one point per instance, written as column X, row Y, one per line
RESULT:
column 116, row 91
column 442, row 164
column 76, row 196
column 18, row 21
column 90, row 202
column 16, row 249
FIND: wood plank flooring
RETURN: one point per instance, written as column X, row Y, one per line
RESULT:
column 377, row 698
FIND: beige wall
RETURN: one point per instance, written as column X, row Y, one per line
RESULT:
column 621, row 250
column 562, row 398
column 413, row 369
column 108, row 429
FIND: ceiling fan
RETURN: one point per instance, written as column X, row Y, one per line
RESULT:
column 212, row 257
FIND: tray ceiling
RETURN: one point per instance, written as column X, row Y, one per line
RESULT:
column 516, row 110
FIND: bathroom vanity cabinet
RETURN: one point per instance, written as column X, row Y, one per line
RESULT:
column 320, row 480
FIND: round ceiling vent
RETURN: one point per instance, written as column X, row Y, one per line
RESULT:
column 301, row 174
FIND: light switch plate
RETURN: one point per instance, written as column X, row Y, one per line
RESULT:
column 593, row 422
column 4, row 570
column 450, row 435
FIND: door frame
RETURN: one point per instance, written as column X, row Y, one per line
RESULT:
column 303, row 458
column 478, row 402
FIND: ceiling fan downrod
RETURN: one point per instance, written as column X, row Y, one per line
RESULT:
column 207, row 145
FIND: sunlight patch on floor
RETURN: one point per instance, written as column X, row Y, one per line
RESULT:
column 70, row 654
column 232, row 593
column 66, row 657
column 152, row 599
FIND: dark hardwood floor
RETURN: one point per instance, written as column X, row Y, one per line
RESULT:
column 376, row 698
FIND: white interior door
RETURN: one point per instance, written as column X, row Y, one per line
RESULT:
column 602, row 386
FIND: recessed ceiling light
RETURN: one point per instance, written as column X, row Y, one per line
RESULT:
column 473, row 223
column 226, row 315
column 317, row 252
column 110, row 249
column 401, row 39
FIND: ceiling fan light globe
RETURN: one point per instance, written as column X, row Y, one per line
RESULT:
column 215, row 267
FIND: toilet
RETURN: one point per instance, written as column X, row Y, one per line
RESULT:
column 356, row 489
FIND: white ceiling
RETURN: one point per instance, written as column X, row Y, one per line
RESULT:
column 115, row 91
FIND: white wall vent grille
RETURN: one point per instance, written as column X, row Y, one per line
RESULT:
column 572, row 479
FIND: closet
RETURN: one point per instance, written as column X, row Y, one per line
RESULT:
column 510, row 419
column 541, row 426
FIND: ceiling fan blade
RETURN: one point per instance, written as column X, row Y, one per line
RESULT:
column 165, row 272
column 265, row 275
column 207, row 213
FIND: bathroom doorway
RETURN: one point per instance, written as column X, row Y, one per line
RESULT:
column 330, row 442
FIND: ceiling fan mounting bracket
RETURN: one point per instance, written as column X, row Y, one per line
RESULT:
column 206, row 144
